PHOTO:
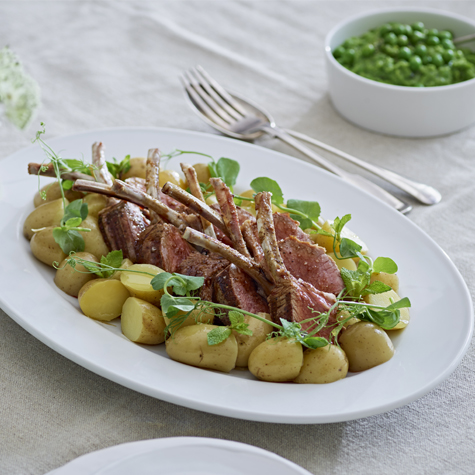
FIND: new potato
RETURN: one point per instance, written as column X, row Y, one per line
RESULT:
column 93, row 240
column 45, row 248
column 95, row 203
column 202, row 172
column 71, row 280
column 48, row 214
column 366, row 345
column 323, row 365
column 277, row 359
column 139, row 284
column 53, row 192
column 142, row 322
column 138, row 167
column 102, row 299
column 195, row 317
column 189, row 345
column 247, row 343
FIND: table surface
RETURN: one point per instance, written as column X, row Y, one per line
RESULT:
column 105, row 64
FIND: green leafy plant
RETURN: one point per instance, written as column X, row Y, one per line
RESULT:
column 118, row 169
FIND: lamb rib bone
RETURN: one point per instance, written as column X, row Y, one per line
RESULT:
column 101, row 171
column 196, row 205
column 233, row 256
column 152, row 177
column 229, row 212
column 123, row 191
column 36, row 169
column 195, row 189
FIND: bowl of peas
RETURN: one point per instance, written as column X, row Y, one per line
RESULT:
column 403, row 72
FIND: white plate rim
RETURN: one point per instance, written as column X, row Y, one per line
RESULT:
column 223, row 409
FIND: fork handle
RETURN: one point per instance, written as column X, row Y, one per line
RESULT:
column 424, row 193
column 357, row 180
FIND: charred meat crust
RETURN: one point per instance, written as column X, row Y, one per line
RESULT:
column 234, row 287
column 121, row 226
column 285, row 226
column 310, row 263
column 162, row 245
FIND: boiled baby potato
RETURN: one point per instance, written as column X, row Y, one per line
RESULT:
column 126, row 263
column 95, row 203
column 45, row 248
column 173, row 177
column 53, row 192
column 327, row 241
column 202, row 172
column 389, row 279
column 142, row 322
column 102, row 299
column 247, row 343
column 384, row 300
column 366, row 345
column 195, row 317
column 138, row 167
column 48, row 214
column 189, row 345
column 323, row 365
column 346, row 263
column 93, row 240
column 71, row 280
column 343, row 315
column 248, row 205
column 139, row 284
column 277, row 359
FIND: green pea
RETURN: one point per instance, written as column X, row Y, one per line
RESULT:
column 386, row 29
column 390, row 39
column 447, row 43
column 339, row 52
column 427, row 59
column 445, row 34
column 418, row 26
column 391, row 50
column 405, row 53
column 459, row 54
column 415, row 63
column 433, row 32
column 437, row 59
column 408, row 30
column 368, row 50
column 433, row 40
column 402, row 40
column 421, row 49
column 448, row 55
column 349, row 55
column 399, row 29
column 417, row 36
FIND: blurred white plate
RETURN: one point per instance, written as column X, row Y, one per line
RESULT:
column 181, row 456
column 426, row 352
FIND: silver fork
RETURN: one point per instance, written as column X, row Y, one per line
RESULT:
column 241, row 119
column 235, row 108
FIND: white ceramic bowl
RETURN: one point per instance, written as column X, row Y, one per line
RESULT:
column 399, row 110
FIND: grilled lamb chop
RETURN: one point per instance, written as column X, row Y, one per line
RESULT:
column 48, row 170
column 288, row 297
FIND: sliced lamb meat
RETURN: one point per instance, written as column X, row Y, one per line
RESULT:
column 121, row 225
column 234, row 287
column 311, row 264
column 162, row 245
column 285, row 226
column 202, row 265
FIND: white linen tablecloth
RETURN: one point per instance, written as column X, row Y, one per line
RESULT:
column 105, row 64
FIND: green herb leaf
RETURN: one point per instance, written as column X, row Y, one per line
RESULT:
column 339, row 224
column 117, row 169
column 92, row 267
column 228, row 170
column 237, row 323
column 376, row 288
column 68, row 240
column 172, row 305
column 113, row 259
column 403, row 303
column 75, row 209
column 349, row 248
column 385, row 264
column 218, row 335
column 67, row 184
column 267, row 184
column 384, row 318
column 355, row 281
column 310, row 208
column 181, row 284
column 314, row 342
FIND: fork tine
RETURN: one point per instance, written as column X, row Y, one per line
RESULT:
column 196, row 98
column 217, row 109
column 205, row 84
column 222, row 92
